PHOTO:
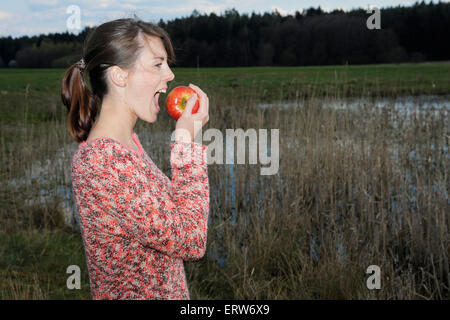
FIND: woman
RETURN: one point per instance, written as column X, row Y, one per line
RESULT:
column 137, row 225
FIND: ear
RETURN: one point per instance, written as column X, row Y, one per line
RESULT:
column 118, row 76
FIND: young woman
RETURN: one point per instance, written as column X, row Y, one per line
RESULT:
column 137, row 225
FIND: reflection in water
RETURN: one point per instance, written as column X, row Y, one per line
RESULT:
column 406, row 104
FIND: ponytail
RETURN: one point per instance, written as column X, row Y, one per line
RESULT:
column 81, row 103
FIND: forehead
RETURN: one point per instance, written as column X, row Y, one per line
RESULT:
column 153, row 47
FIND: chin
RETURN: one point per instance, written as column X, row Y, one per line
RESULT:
column 148, row 116
column 151, row 119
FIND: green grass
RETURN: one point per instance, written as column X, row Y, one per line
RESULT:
column 355, row 80
column 36, row 79
column 359, row 79
column 33, row 265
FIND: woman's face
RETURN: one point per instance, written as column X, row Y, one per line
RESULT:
column 148, row 77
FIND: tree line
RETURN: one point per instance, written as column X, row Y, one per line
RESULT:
column 312, row 37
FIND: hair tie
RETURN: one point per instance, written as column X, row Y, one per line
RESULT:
column 81, row 65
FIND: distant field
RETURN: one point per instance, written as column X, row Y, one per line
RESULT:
column 278, row 82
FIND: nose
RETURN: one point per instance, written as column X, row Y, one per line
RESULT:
column 170, row 75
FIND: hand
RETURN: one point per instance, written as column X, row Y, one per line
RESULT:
column 184, row 129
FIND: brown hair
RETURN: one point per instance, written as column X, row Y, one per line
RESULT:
column 116, row 42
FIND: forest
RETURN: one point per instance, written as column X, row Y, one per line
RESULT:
column 415, row 33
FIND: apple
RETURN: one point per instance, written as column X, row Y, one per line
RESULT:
column 177, row 99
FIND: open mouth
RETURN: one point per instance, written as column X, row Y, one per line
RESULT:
column 156, row 98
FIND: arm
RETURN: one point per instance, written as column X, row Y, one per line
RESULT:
column 176, row 226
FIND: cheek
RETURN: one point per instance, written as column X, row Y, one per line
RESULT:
column 142, row 89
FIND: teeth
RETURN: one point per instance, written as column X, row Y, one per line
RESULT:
column 162, row 90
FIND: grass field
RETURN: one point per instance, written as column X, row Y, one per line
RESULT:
column 355, row 187
column 381, row 79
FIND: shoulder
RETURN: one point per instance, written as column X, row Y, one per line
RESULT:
column 103, row 156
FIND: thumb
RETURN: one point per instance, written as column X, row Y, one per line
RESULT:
column 190, row 104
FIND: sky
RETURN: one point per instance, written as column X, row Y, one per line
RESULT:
column 34, row 17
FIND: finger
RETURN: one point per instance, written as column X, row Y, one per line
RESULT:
column 205, row 120
column 207, row 105
column 190, row 104
column 204, row 104
column 201, row 109
column 203, row 101
column 198, row 90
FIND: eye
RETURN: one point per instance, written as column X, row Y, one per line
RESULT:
column 158, row 65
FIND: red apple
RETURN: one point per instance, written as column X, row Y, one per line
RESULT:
column 177, row 99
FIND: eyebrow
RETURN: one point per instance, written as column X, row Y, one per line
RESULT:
column 161, row 58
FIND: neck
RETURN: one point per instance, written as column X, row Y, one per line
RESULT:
column 115, row 120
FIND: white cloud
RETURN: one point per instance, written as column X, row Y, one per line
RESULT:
column 104, row 4
column 43, row 2
column 282, row 11
column 91, row 23
column 128, row 6
column 42, row 5
column 115, row 14
column 6, row 15
column 186, row 8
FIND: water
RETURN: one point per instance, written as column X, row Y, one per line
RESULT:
column 230, row 182
column 406, row 104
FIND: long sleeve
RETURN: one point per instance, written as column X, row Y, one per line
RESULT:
column 129, row 204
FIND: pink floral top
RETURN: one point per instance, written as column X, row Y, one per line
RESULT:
column 138, row 225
